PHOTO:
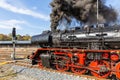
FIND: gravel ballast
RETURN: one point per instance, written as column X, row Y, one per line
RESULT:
column 38, row 74
column 16, row 72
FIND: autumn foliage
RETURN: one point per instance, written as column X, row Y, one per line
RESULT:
column 8, row 37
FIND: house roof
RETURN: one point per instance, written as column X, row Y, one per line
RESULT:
column 17, row 42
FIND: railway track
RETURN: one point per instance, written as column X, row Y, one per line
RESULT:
column 26, row 63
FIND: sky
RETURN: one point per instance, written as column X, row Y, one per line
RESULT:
column 29, row 16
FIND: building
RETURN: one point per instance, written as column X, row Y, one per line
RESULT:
column 8, row 44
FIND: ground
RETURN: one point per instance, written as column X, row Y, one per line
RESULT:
column 21, row 69
column 18, row 71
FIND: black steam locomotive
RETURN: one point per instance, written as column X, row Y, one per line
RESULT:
column 81, row 50
column 82, row 38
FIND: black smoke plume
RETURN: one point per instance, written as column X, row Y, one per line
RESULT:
column 84, row 11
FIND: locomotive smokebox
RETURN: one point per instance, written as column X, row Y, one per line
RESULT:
column 43, row 38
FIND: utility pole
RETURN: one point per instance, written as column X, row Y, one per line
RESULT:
column 97, row 12
column 100, row 26
column 14, row 43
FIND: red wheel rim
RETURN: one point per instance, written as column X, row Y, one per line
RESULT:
column 78, row 70
column 62, row 63
column 95, row 65
column 62, row 67
column 118, row 70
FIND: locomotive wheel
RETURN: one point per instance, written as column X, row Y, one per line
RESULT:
column 118, row 70
column 62, row 67
column 97, row 65
column 40, row 63
column 62, row 64
column 78, row 70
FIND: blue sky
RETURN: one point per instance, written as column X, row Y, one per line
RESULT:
column 29, row 16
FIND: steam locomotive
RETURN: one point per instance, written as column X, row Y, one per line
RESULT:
column 80, row 49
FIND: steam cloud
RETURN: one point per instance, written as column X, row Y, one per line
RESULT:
column 82, row 10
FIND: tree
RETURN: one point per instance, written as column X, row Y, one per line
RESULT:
column 8, row 37
column 1, row 37
column 26, row 37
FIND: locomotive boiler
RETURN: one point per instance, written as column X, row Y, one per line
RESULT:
column 76, row 37
column 80, row 49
